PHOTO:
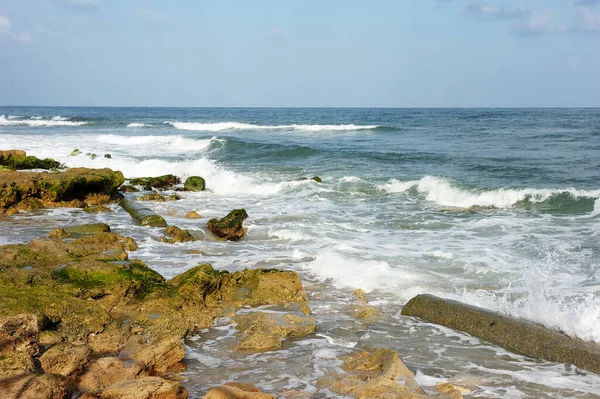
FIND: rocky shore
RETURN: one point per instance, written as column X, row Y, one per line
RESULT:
column 80, row 317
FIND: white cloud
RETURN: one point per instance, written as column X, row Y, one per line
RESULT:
column 7, row 34
column 538, row 23
column 81, row 5
column 586, row 20
column 152, row 17
column 494, row 11
column 573, row 63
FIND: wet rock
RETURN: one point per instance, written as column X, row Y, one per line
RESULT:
column 230, row 227
column 193, row 215
column 59, row 234
column 18, row 344
column 32, row 386
column 362, row 309
column 157, row 355
column 236, row 391
column 104, row 372
column 17, row 159
column 98, row 209
column 75, row 152
column 69, row 188
column 86, row 229
column 177, row 235
column 375, row 375
column 107, row 156
column 142, row 215
column 160, row 182
column 196, row 252
column 194, row 183
column 315, row 178
column 91, row 155
column 65, row 359
column 159, row 197
column 145, row 388
column 519, row 335
column 128, row 189
column 262, row 331
column 49, row 338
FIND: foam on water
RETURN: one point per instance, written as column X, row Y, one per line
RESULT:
column 222, row 126
column 39, row 122
column 170, row 144
column 135, row 124
column 444, row 192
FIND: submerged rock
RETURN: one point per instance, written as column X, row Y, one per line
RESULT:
column 144, row 216
column 145, row 388
column 194, row 183
column 75, row 152
column 159, row 197
column 18, row 160
column 70, row 188
column 230, row 227
column 177, row 235
column 98, row 209
column 87, row 229
column 233, row 390
column 263, row 331
column 193, row 215
column 128, row 189
column 160, row 182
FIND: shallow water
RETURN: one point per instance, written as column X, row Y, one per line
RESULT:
column 497, row 208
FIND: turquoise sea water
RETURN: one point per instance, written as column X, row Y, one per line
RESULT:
column 495, row 207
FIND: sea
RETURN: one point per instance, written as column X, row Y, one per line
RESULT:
column 498, row 208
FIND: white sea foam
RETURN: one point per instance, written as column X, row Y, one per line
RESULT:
column 223, row 126
column 135, row 124
column 177, row 144
column 443, row 192
column 34, row 122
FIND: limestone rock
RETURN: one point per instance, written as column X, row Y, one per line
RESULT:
column 145, row 388
column 85, row 229
column 262, row 331
column 31, row 386
column 156, row 355
column 194, row 183
column 159, row 197
column 230, row 227
column 98, row 209
column 236, row 391
column 160, row 182
column 17, row 159
column 128, row 189
column 177, row 235
column 104, row 372
column 193, row 215
column 65, row 359
column 18, row 344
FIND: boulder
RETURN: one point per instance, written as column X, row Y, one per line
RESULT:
column 27, row 190
column 236, row 391
column 104, row 372
column 87, row 229
column 262, row 331
column 159, row 197
column 128, row 189
column 75, row 152
column 17, row 159
column 376, row 375
column 193, row 215
column 194, row 183
column 98, row 209
column 521, row 336
column 160, row 182
column 32, row 386
column 362, row 309
column 177, row 235
column 230, row 227
column 18, row 344
column 142, row 215
column 65, row 359
column 145, row 388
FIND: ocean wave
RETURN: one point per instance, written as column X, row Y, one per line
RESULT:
column 223, row 126
column 177, row 144
column 135, row 124
column 445, row 192
column 39, row 121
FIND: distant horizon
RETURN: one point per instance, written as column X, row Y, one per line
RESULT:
column 290, row 107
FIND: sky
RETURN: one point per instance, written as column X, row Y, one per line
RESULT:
column 297, row 53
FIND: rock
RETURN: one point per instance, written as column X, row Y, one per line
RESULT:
column 236, row 391
column 177, row 235
column 159, row 197
column 363, row 310
column 98, row 209
column 317, row 179
column 521, row 336
column 59, row 234
column 156, row 355
column 92, row 155
column 230, row 227
column 142, row 215
column 262, row 331
column 18, row 344
column 145, row 388
column 193, row 215
column 17, row 159
column 194, row 183
column 31, row 386
column 196, row 252
column 65, row 359
column 75, row 152
column 49, row 337
column 160, row 182
column 104, row 372
column 128, row 189
column 375, row 375
column 107, row 156
column 69, row 188
column 87, row 229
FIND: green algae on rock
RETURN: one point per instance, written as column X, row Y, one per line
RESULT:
column 160, row 182
column 18, row 160
column 194, row 183
column 230, row 227
column 177, row 235
column 159, row 197
column 144, row 216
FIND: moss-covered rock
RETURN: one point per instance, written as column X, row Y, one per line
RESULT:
column 230, row 227
column 159, row 197
column 263, row 331
column 142, row 215
column 194, row 183
column 175, row 234
column 193, row 215
column 70, row 188
column 18, row 160
column 65, row 359
column 160, row 182
column 87, row 229
column 98, row 209
column 125, row 188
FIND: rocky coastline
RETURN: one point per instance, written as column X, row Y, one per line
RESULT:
column 80, row 317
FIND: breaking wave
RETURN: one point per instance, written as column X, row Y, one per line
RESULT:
column 39, row 121
column 223, row 126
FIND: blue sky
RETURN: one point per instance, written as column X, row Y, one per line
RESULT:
column 377, row 53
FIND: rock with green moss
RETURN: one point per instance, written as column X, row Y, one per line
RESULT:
column 230, row 227
column 70, row 188
column 264, row 331
column 87, row 229
column 75, row 152
column 175, row 234
column 161, row 182
column 125, row 188
column 159, row 197
column 98, row 209
column 194, row 183
column 142, row 215
column 17, row 159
